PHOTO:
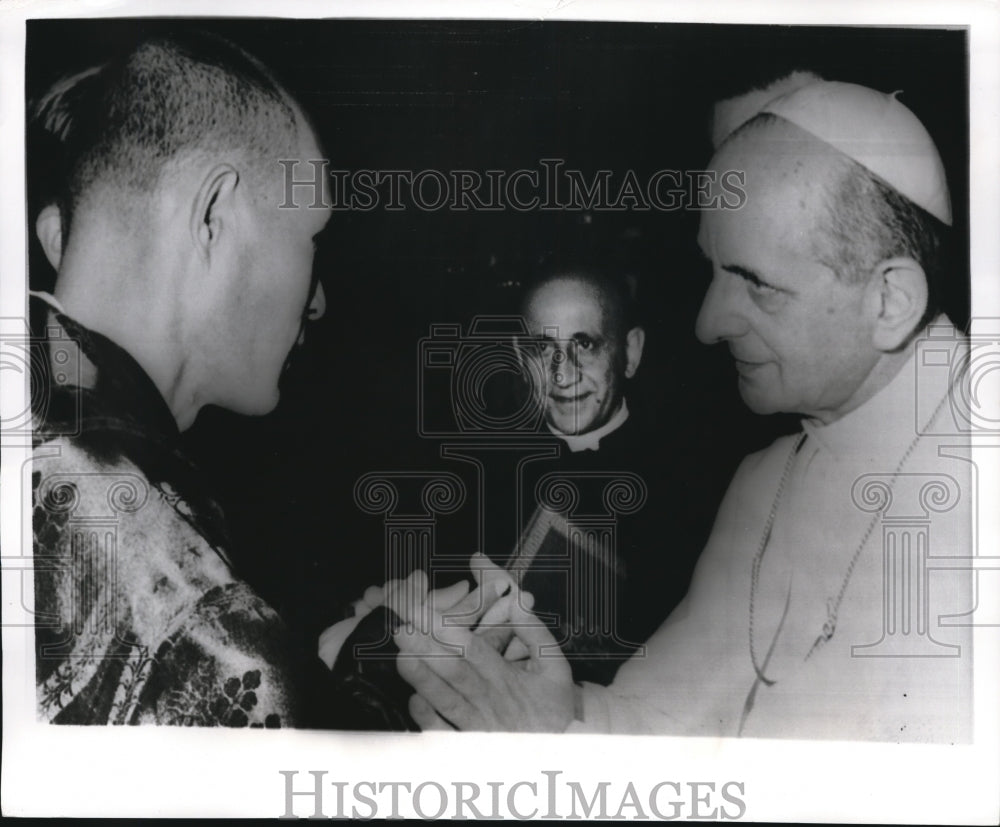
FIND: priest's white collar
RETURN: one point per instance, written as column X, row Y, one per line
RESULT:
column 591, row 441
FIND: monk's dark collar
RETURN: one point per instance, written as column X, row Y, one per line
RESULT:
column 121, row 395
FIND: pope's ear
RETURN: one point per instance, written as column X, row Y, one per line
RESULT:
column 899, row 300
column 213, row 209
column 635, row 340
column 48, row 228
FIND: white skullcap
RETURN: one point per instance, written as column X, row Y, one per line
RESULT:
column 731, row 113
column 878, row 132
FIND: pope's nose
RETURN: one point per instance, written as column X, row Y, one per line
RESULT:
column 720, row 316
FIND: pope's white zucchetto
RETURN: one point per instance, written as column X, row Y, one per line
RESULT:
column 877, row 131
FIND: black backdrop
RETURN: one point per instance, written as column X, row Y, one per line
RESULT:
column 494, row 95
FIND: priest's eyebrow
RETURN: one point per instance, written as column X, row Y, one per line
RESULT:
column 578, row 336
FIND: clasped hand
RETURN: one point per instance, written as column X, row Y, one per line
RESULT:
column 479, row 660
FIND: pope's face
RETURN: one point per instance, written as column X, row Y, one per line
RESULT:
column 797, row 333
column 580, row 362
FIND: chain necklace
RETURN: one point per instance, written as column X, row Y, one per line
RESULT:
column 833, row 603
column 764, row 538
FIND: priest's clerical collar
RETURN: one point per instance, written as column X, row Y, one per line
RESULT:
column 591, row 441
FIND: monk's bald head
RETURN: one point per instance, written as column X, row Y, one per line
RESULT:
column 158, row 108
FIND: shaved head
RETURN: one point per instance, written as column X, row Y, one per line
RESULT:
column 136, row 117
column 173, row 237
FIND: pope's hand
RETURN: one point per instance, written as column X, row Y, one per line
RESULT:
column 462, row 681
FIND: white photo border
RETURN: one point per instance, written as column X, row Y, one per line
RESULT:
column 146, row 771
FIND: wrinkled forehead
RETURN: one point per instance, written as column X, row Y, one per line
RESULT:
column 785, row 175
column 570, row 306
column 776, row 151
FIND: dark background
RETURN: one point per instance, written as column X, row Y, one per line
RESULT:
column 495, row 95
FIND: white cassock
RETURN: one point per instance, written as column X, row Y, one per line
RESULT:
column 849, row 495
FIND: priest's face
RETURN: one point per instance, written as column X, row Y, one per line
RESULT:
column 798, row 334
column 581, row 361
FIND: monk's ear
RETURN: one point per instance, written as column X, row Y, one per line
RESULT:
column 635, row 340
column 213, row 209
column 898, row 299
column 48, row 228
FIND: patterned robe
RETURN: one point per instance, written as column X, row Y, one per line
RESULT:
column 139, row 617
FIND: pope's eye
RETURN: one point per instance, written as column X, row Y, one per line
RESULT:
column 762, row 288
column 754, row 283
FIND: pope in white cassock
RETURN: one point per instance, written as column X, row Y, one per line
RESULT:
column 823, row 605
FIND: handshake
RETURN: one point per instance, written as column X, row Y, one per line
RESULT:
column 476, row 658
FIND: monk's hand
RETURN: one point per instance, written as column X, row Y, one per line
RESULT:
column 483, row 610
column 463, row 682
column 405, row 597
column 479, row 609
